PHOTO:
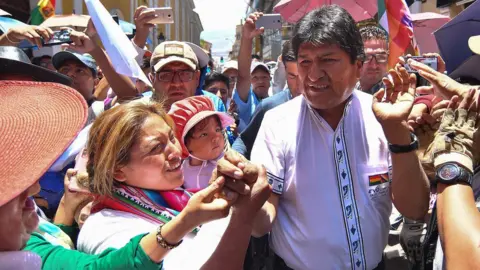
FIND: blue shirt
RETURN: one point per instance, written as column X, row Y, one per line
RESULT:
column 245, row 109
column 217, row 102
column 244, row 143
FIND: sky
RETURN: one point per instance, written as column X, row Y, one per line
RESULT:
column 219, row 18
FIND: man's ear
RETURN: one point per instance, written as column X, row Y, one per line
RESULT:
column 359, row 65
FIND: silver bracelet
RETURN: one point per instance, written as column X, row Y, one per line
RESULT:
column 164, row 244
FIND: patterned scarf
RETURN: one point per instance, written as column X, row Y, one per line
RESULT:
column 157, row 206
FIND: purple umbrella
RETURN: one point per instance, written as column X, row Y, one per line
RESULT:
column 452, row 38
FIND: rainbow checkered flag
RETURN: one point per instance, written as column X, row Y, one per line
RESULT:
column 394, row 17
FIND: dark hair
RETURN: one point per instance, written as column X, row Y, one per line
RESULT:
column 36, row 60
column 215, row 77
column 372, row 32
column 329, row 24
column 256, row 56
column 287, row 53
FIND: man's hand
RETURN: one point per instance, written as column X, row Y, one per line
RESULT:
column 205, row 206
column 441, row 85
column 249, row 29
column 32, row 33
column 247, row 206
column 81, row 43
column 425, row 132
column 417, row 111
column 393, row 111
column 457, row 134
column 142, row 16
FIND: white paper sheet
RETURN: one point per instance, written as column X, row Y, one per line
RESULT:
column 116, row 43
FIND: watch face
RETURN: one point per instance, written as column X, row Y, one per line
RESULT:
column 449, row 172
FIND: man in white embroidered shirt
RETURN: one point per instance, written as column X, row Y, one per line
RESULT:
column 327, row 155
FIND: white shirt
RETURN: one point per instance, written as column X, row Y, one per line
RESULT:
column 329, row 216
column 114, row 229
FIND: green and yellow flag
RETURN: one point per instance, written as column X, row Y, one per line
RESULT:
column 44, row 10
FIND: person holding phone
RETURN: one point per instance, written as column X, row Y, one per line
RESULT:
column 254, row 78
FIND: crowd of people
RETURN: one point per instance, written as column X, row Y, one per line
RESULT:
column 310, row 169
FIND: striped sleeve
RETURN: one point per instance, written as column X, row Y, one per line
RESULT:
column 268, row 150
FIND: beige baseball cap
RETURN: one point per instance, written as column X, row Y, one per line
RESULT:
column 474, row 44
column 232, row 64
column 173, row 51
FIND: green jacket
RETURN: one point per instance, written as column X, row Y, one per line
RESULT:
column 131, row 256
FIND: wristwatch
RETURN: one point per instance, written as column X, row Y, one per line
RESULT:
column 451, row 173
column 399, row 149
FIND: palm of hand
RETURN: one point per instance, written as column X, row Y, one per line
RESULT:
column 395, row 110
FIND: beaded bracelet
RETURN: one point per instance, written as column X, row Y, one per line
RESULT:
column 164, row 244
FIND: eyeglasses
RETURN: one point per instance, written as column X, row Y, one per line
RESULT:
column 379, row 58
column 168, row 76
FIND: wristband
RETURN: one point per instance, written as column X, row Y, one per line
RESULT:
column 399, row 149
column 164, row 244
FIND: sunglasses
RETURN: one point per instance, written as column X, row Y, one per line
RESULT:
column 379, row 57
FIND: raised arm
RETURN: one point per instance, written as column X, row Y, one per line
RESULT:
column 457, row 215
column 122, row 85
column 142, row 16
column 249, row 33
column 410, row 188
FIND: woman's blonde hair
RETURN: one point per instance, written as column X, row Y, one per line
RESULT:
column 111, row 139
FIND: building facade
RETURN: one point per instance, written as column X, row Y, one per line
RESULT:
column 187, row 26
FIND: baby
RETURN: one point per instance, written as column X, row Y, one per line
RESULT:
column 201, row 132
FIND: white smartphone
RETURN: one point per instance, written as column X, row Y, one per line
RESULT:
column 164, row 16
column 269, row 21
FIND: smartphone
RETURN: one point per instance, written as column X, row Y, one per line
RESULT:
column 164, row 16
column 59, row 37
column 432, row 62
column 81, row 167
column 269, row 21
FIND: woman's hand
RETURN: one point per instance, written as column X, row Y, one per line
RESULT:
column 70, row 201
column 205, row 206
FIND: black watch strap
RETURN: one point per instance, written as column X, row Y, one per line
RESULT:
column 399, row 149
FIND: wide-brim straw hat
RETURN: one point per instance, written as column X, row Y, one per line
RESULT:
column 38, row 121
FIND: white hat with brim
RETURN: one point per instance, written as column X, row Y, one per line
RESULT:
column 257, row 65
